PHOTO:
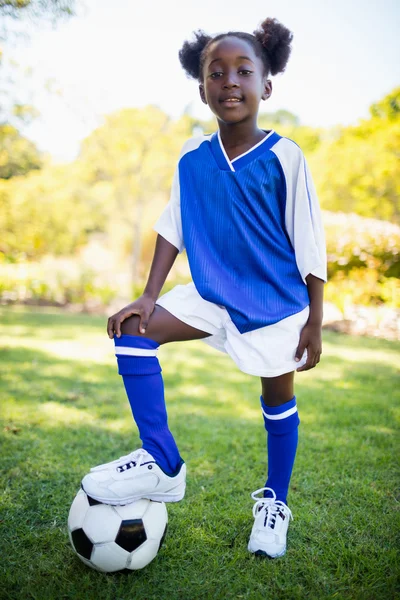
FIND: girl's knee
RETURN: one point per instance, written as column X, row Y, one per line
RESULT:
column 153, row 331
column 277, row 390
column 130, row 326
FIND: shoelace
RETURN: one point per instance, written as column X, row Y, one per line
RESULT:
column 134, row 457
column 272, row 507
column 132, row 460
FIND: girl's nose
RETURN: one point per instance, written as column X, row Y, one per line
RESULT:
column 230, row 81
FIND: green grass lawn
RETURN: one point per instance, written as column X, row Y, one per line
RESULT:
column 64, row 409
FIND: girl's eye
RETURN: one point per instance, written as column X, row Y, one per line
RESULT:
column 245, row 72
column 216, row 74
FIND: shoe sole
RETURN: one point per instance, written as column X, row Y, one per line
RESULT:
column 129, row 500
column 265, row 554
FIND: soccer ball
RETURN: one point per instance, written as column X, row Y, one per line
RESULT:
column 112, row 538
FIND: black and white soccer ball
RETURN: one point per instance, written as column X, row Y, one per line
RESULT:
column 113, row 538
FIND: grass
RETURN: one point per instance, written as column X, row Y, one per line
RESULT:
column 63, row 410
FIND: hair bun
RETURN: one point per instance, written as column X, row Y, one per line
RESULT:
column 190, row 53
column 276, row 40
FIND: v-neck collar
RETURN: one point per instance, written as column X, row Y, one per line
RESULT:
column 242, row 160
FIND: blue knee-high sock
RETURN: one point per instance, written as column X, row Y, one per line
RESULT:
column 141, row 372
column 281, row 423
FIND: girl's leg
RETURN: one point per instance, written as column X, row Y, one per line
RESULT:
column 271, row 514
column 281, row 420
column 156, row 471
column 163, row 327
column 141, row 373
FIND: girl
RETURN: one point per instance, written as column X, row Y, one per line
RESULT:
column 244, row 206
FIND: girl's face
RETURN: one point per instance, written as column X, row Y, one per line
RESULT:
column 234, row 81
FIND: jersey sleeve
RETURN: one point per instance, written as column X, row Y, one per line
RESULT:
column 169, row 224
column 303, row 218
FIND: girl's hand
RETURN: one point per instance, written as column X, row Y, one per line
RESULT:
column 143, row 307
column 310, row 339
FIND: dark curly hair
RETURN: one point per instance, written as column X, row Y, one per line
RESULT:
column 271, row 43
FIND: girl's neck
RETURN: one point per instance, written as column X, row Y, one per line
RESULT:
column 237, row 138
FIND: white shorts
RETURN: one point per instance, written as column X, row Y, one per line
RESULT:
column 266, row 352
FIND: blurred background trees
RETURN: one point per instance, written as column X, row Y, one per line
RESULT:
column 82, row 231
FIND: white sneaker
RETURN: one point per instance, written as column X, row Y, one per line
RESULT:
column 133, row 477
column 271, row 522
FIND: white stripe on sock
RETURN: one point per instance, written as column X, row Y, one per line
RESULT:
column 283, row 415
column 126, row 351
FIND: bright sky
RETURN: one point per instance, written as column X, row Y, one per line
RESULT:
column 124, row 53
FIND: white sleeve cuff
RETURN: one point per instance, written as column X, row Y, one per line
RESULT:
column 169, row 235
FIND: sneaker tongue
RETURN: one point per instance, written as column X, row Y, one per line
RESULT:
column 271, row 514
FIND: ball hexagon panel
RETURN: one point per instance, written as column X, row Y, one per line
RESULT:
column 78, row 510
column 82, row 544
column 154, row 520
column 131, row 534
column 101, row 523
column 109, row 557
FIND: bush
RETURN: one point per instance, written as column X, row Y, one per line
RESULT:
column 363, row 260
column 54, row 281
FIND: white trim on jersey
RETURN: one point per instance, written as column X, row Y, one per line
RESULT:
column 232, row 168
column 284, row 415
column 254, row 147
column 127, row 351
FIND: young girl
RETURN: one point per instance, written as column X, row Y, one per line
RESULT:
column 244, row 206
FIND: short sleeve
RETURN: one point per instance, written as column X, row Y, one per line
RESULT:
column 169, row 224
column 303, row 218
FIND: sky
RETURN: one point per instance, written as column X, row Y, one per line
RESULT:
column 124, row 53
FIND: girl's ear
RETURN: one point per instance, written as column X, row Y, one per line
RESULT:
column 202, row 94
column 267, row 89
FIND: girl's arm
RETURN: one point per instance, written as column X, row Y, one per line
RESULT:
column 163, row 259
column 311, row 335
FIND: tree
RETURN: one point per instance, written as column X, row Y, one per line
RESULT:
column 18, row 155
column 51, row 211
column 360, row 171
column 287, row 124
column 135, row 150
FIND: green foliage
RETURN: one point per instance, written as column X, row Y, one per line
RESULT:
column 363, row 260
column 50, row 211
column 135, row 150
column 355, row 242
column 58, row 282
column 308, row 138
column 360, row 171
column 388, row 108
column 64, row 409
column 18, row 155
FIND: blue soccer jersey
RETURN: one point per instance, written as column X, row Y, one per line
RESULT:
column 251, row 227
